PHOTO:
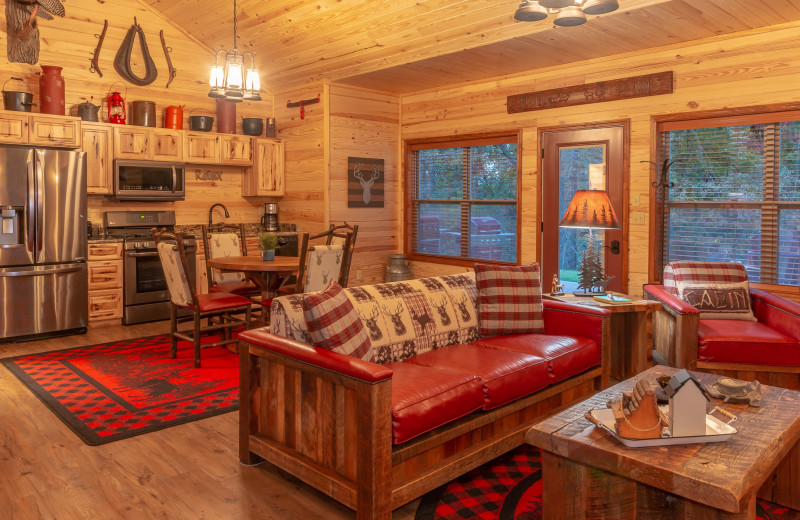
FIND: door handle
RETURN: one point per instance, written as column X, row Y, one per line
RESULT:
column 41, row 272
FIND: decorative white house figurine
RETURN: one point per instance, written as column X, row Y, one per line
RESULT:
column 687, row 405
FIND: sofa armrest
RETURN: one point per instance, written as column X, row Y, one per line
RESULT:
column 567, row 319
column 319, row 357
column 672, row 303
column 776, row 311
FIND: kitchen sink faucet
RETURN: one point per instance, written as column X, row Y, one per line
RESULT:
column 211, row 212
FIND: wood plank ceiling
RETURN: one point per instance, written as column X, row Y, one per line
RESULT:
column 404, row 46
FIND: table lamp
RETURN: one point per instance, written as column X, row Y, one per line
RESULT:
column 590, row 209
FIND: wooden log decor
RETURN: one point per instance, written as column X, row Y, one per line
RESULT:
column 611, row 90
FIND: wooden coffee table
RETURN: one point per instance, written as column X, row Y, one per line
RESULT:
column 587, row 474
column 631, row 334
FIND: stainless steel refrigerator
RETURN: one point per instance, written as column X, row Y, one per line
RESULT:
column 43, row 272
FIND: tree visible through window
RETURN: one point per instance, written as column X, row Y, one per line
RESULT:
column 463, row 197
column 736, row 195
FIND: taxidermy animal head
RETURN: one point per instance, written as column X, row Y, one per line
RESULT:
column 23, row 29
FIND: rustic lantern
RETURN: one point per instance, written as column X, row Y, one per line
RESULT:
column 116, row 109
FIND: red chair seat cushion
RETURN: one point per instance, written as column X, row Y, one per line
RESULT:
column 236, row 288
column 506, row 375
column 213, row 302
column 424, row 398
column 746, row 342
column 566, row 356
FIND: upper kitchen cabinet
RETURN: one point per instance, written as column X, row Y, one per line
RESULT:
column 266, row 176
column 42, row 130
column 205, row 148
column 145, row 143
column 97, row 139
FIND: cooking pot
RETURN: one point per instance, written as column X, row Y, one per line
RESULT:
column 174, row 117
column 88, row 111
column 201, row 123
column 143, row 113
column 252, row 126
column 15, row 100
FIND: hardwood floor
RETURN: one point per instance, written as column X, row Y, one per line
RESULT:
column 190, row 471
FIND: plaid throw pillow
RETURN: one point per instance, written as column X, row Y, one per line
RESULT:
column 334, row 324
column 509, row 299
column 701, row 272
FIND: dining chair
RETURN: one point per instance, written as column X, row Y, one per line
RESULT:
column 338, row 235
column 226, row 240
column 183, row 294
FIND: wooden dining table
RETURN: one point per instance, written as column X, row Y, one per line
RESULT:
column 266, row 274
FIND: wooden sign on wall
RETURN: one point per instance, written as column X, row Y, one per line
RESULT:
column 364, row 182
column 611, row 90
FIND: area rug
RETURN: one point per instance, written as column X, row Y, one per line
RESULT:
column 510, row 488
column 117, row 390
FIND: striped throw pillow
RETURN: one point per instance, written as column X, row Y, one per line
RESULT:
column 334, row 324
column 509, row 299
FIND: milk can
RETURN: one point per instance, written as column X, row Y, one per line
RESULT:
column 397, row 269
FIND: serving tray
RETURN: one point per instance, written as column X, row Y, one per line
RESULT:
column 716, row 431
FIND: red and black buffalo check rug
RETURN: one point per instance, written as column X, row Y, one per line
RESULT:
column 510, row 488
column 117, row 390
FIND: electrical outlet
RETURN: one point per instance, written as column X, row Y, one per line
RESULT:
column 636, row 201
column 638, row 217
column 358, row 274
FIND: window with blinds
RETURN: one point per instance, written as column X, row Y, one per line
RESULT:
column 735, row 193
column 463, row 199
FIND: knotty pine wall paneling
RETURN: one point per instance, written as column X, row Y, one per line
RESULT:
column 70, row 42
column 366, row 123
column 754, row 67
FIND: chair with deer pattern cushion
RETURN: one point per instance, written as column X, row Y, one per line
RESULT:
column 229, row 241
column 182, row 293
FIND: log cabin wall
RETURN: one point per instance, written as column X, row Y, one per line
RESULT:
column 366, row 124
column 755, row 67
column 70, row 42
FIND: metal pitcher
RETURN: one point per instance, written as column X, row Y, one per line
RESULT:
column 88, row 111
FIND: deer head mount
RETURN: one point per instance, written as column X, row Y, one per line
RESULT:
column 22, row 45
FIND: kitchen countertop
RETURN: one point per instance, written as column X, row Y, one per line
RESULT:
column 249, row 230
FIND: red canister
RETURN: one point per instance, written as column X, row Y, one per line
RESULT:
column 174, row 117
column 51, row 91
column 226, row 117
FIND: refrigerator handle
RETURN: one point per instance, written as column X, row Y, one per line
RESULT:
column 40, row 191
column 30, row 210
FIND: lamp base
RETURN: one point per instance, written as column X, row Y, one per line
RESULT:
column 588, row 293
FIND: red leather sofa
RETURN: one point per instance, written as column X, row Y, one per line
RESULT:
column 375, row 435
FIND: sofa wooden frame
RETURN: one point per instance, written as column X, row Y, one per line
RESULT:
column 333, row 429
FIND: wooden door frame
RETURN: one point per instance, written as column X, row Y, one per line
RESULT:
column 622, row 213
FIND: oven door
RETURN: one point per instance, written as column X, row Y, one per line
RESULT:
column 144, row 277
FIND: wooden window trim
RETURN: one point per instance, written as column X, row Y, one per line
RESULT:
column 459, row 141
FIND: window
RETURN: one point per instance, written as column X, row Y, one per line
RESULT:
column 463, row 199
column 736, row 193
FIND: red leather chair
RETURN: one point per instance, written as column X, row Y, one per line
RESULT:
column 766, row 349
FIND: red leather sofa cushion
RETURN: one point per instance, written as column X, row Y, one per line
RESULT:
column 506, row 375
column 747, row 342
column 566, row 356
column 424, row 398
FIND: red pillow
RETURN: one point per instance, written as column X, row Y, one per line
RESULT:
column 334, row 324
column 509, row 299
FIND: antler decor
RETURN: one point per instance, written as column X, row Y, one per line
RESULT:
column 23, row 30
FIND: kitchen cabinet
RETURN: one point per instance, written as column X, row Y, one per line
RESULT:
column 148, row 144
column 97, row 141
column 39, row 130
column 205, row 148
column 105, row 283
column 266, row 177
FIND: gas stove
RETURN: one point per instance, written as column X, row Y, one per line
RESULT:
column 134, row 227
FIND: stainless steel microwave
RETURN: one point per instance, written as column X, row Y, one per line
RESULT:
column 149, row 180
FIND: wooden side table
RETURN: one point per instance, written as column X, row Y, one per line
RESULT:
column 587, row 474
column 631, row 336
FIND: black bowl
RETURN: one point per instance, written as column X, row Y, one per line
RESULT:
column 201, row 123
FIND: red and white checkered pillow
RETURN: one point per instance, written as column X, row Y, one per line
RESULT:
column 334, row 324
column 509, row 299
column 702, row 272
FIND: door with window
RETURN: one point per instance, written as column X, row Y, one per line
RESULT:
column 582, row 159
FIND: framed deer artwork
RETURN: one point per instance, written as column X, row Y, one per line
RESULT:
column 364, row 182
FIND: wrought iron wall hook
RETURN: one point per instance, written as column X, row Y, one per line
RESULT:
column 663, row 181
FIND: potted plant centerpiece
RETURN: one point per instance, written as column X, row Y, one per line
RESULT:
column 267, row 242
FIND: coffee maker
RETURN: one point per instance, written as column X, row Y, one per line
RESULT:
column 269, row 222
